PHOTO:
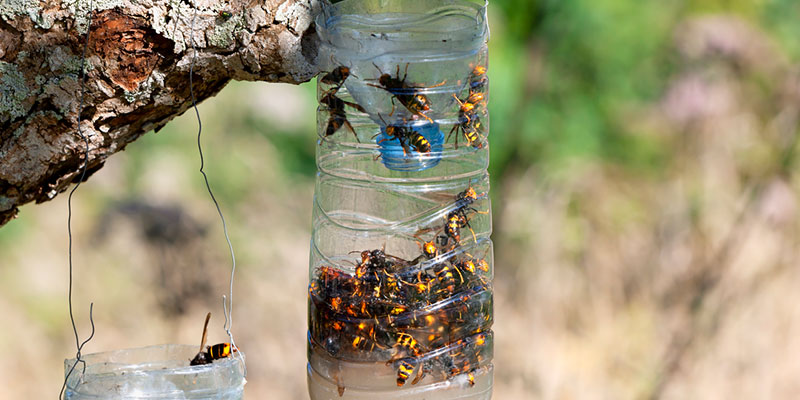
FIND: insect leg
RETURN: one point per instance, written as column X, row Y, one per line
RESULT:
column 476, row 211
column 466, row 223
column 356, row 106
column 405, row 146
column 346, row 122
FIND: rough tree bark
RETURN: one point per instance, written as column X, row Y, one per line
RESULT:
column 137, row 74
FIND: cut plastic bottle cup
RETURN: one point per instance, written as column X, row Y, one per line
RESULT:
column 154, row 372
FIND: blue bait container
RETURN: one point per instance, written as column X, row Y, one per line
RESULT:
column 394, row 157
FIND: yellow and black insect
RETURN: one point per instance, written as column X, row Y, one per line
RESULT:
column 363, row 343
column 338, row 116
column 458, row 218
column 468, row 120
column 376, row 260
column 404, row 371
column 478, row 78
column 405, row 346
column 473, row 132
column 221, row 350
column 209, row 354
column 449, row 279
column 419, row 142
column 468, row 106
column 428, row 248
column 470, row 267
column 452, row 228
column 408, row 95
column 408, row 138
column 336, row 77
column 467, row 197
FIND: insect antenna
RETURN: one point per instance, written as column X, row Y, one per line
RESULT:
column 204, row 338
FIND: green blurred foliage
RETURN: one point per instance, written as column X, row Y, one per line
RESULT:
column 570, row 72
column 580, row 66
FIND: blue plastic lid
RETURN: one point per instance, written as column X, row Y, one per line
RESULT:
column 397, row 157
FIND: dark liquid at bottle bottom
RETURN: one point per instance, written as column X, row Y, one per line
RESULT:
column 328, row 377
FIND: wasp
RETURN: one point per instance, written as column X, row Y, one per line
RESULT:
column 336, row 77
column 455, row 219
column 338, row 116
column 407, row 137
column 478, row 78
column 444, row 364
column 371, row 260
column 366, row 335
column 452, row 228
column 429, row 251
column 415, row 290
column 458, row 218
column 209, row 354
column 473, row 132
column 361, row 343
column 468, row 107
column 470, row 267
column 468, row 121
column 451, row 231
column 470, row 357
column 375, row 260
column 472, row 264
column 467, row 197
column 331, row 280
column 406, row 346
column 408, row 95
column 404, row 370
column 419, row 142
column 375, row 275
column 467, row 266
column 449, row 278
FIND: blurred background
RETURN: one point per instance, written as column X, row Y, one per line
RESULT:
column 645, row 195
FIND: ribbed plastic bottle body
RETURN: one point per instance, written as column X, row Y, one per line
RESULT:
column 401, row 265
column 154, row 372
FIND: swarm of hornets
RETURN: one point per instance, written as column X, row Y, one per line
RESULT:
column 413, row 98
column 427, row 316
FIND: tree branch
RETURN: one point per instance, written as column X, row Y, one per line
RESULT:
column 137, row 69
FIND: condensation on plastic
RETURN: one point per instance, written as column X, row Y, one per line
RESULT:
column 372, row 193
column 154, row 372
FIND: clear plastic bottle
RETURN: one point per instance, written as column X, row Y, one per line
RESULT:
column 400, row 292
column 154, row 372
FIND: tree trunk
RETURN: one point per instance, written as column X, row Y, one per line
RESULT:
column 137, row 75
